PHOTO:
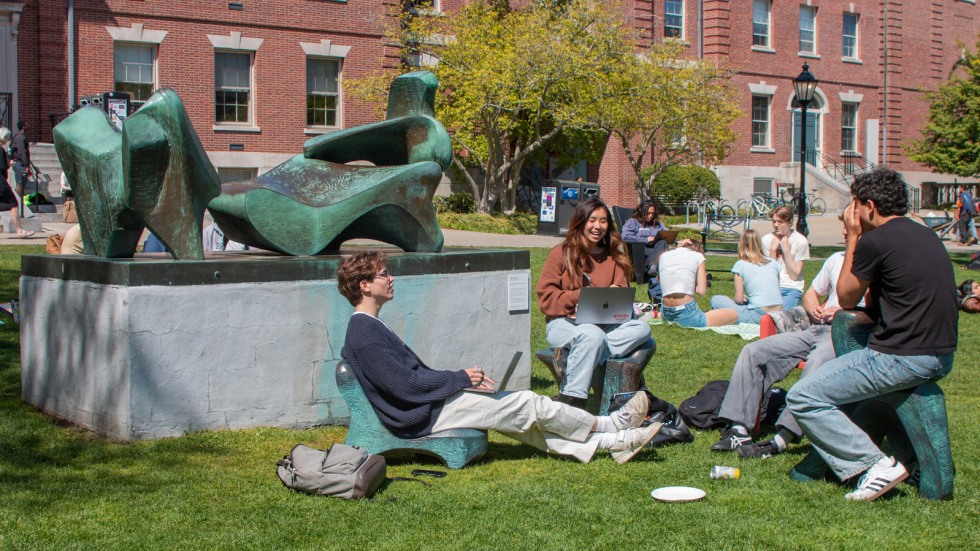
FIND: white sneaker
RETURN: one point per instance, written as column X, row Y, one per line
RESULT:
column 876, row 481
column 633, row 413
column 629, row 442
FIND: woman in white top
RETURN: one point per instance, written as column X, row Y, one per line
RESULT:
column 682, row 273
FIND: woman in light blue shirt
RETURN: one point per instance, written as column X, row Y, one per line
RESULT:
column 756, row 282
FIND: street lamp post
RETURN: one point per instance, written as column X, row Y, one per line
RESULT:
column 804, row 86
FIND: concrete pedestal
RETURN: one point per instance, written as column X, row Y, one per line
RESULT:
column 151, row 347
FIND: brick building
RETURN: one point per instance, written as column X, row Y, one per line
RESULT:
column 259, row 77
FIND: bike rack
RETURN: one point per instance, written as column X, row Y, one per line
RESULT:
column 726, row 226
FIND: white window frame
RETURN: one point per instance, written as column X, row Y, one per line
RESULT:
column 326, row 49
column 767, row 135
column 756, row 4
column 235, row 43
column 136, row 35
column 135, row 104
column 812, row 31
column 338, row 106
column 854, row 129
column 250, row 117
column 236, row 174
column 856, row 52
column 680, row 15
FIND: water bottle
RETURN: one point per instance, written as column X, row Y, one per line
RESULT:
column 719, row 472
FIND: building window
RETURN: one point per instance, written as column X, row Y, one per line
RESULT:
column 851, row 35
column 674, row 18
column 808, row 29
column 760, row 22
column 761, row 186
column 760, row 121
column 232, row 87
column 848, row 127
column 322, row 91
column 134, row 72
column 227, row 175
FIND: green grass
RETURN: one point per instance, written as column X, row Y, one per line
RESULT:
column 64, row 488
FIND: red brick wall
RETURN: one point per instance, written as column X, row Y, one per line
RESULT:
column 185, row 58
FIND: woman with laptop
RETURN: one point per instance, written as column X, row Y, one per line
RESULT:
column 645, row 227
column 592, row 255
column 683, row 273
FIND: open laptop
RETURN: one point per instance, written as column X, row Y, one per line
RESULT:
column 605, row 305
column 670, row 236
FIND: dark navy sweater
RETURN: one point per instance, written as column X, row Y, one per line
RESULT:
column 406, row 394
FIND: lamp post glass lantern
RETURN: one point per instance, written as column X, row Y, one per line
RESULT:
column 804, row 86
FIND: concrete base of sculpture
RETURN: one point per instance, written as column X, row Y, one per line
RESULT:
column 149, row 347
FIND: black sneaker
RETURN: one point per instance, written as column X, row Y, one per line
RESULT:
column 762, row 451
column 730, row 441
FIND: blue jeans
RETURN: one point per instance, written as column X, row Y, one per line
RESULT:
column 745, row 314
column 589, row 345
column 816, row 399
column 791, row 297
column 687, row 315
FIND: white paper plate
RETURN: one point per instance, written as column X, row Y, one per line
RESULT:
column 677, row 493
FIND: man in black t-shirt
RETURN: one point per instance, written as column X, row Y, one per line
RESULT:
column 907, row 274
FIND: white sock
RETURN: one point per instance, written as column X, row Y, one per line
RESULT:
column 780, row 443
column 606, row 440
column 741, row 430
column 605, row 424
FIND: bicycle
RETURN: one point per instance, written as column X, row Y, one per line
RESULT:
column 761, row 206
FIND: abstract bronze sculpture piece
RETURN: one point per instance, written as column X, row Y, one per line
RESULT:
column 314, row 201
column 153, row 174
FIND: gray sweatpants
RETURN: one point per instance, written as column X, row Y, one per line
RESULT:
column 767, row 361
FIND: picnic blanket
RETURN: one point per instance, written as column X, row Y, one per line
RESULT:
column 747, row 331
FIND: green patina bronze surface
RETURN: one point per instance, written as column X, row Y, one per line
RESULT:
column 90, row 150
column 153, row 174
column 314, row 202
column 455, row 447
column 169, row 179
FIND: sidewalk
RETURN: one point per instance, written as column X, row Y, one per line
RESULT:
column 824, row 231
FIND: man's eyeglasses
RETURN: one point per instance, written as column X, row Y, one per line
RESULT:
column 383, row 275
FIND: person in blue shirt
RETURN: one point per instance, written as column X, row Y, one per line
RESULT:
column 756, row 282
column 645, row 227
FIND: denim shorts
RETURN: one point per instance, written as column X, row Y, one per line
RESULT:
column 686, row 315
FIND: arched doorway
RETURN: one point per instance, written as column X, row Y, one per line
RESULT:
column 814, row 129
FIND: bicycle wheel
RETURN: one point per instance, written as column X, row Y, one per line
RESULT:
column 726, row 211
column 818, row 207
column 742, row 207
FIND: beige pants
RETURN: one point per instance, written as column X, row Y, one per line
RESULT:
column 525, row 416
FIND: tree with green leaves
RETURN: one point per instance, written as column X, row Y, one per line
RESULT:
column 513, row 82
column 665, row 110
column 951, row 139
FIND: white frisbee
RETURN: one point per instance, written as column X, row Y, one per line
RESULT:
column 677, row 494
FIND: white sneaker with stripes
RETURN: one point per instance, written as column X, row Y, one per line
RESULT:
column 881, row 477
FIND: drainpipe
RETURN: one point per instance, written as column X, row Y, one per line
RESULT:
column 884, row 111
column 71, row 55
column 700, row 29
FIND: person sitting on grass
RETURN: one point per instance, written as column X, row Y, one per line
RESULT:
column 682, row 273
column 907, row 271
column 756, row 282
column 968, row 295
column 767, row 361
column 413, row 400
column 592, row 255
column 790, row 248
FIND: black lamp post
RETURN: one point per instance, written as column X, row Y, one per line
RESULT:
column 804, row 85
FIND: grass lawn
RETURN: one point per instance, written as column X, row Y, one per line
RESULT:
column 65, row 488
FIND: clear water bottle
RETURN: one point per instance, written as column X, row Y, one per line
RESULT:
column 721, row 472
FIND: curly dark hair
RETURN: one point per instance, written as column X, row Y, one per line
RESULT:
column 358, row 267
column 886, row 188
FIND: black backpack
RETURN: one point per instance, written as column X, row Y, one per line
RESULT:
column 673, row 431
column 974, row 263
column 701, row 410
